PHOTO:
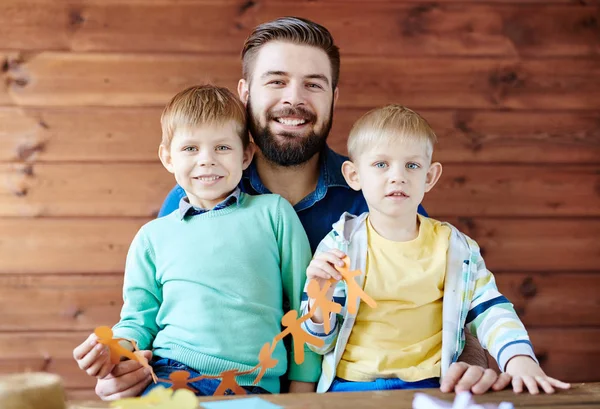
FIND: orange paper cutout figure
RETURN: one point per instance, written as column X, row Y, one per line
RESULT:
column 319, row 295
column 180, row 380
column 142, row 360
column 265, row 361
column 228, row 381
column 300, row 337
column 105, row 337
column 353, row 290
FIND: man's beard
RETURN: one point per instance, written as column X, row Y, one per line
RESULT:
column 295, row 150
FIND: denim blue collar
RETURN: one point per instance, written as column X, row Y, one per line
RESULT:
column 330, row 175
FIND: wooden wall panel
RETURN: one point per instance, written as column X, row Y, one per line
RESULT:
column 81, row 302
column 94, row 190
column 65, row 302
column 86, row 245
column 528, row 190
column 395, row 28
column 80, row 135
column 137, row 190
column 65, row 245
column 531, row 244
column 550, row 299
column 568, row 354
column 132, row 134
column 65, row 79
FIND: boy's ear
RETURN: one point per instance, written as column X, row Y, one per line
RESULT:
column 165, row 157
column 351, row 175
column 433, row 175
column 248, row 155
column 243, row 91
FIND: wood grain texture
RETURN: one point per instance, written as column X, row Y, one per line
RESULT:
column 395, row 28
column 557, row 244
column 58, row 245
column 68, row 302
column 80, row 79
column 533, row 191
column 79, row 135
column 94, row 190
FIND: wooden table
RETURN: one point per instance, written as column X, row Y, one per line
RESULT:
column 580, row 396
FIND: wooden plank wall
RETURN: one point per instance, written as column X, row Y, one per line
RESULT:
column 511, row 87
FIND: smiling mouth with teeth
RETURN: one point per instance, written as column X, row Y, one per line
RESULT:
column 208, row 178
column 291, row 122
column 397, row 194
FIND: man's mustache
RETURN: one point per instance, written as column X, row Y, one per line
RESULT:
column 297, row 112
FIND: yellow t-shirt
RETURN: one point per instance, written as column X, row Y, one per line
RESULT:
column 402, row 337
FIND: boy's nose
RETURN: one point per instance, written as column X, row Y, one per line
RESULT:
column 398, row 177
column 206, row 160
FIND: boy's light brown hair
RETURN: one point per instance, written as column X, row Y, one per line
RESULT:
column 294, row 30
column 203, row 105
column 389, row 123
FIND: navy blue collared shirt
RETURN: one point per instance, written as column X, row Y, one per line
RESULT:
column 317, row 211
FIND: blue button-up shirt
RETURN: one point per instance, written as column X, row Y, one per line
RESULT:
column 317, row 211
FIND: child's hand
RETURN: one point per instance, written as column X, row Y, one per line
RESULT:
column 93, row 358
column 525, row 370
column 321, row 267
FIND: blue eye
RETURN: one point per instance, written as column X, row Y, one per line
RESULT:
column 380, row 165
column 189, row 149
column 412, row 166
column 223, row 148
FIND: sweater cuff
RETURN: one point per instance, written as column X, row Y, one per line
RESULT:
column 318, row 330
column 132, row 335
column 309, row 370
column 513, row 349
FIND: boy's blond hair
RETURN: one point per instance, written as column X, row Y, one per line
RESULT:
column 391, row 122
column 203, row 105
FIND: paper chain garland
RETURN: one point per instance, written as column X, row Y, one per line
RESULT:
column 180, row 380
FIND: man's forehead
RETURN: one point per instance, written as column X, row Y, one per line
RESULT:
column 291, row 59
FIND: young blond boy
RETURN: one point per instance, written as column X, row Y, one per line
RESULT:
column 204, row 286
column 428, row 279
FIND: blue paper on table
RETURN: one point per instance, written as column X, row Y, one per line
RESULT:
column 247, row 403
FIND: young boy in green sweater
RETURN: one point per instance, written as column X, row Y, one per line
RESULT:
column 204, row 286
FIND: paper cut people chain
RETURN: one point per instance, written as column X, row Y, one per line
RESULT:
column 180, row 380
column 353, row 291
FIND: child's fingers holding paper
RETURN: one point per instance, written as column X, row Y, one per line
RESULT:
column 92, row 357
column 85, row 347
column 96, row 367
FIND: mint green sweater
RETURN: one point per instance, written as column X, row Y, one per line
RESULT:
column 208, row 290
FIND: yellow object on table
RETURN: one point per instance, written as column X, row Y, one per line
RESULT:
column 33, row 390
